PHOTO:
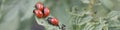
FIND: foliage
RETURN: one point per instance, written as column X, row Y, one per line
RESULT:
column 75, row 14
column 86, row 14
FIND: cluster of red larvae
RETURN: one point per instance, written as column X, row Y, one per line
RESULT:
column 42, row 12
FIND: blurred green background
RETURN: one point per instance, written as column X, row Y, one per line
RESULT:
column 75, row 14
column 16, row 14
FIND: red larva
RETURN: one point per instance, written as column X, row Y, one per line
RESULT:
column 46, row 12
column 53, row 21
column 39, row 6
column 38, row 13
